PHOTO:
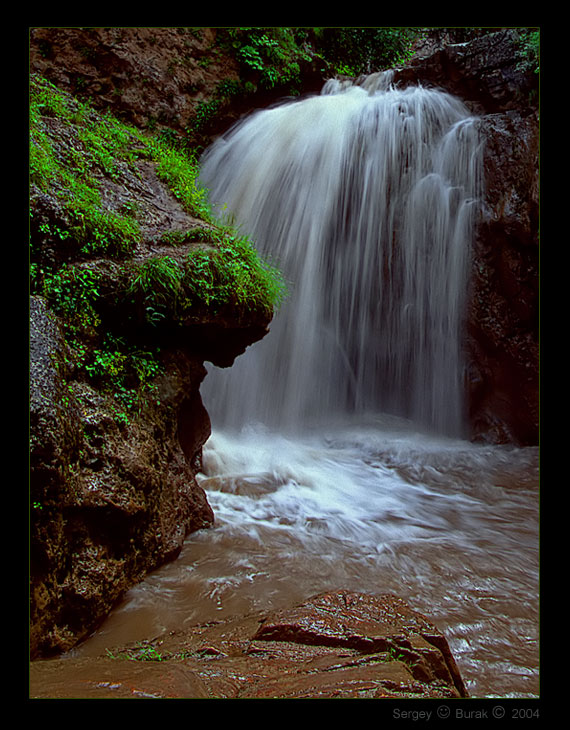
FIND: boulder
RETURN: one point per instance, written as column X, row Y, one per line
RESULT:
column 489, row 72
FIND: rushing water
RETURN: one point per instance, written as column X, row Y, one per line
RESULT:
column 449, row 526
column 365, row 196
column 366, row 201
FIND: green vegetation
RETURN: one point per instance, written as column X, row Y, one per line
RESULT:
column 272, row 58
column 126, row 371
column 73, row 292
column 225, row 272
column 144, row 651
column 141, row 652
column 530, row 49
column 354, row 51
column 179, row 170
column 95, row 146
column 75, row 152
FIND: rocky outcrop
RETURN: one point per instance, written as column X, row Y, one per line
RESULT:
column 503, row 317
column 111, row 500
column 151, row 77
column 113, row 492
column 338, row 645
column 489, row 72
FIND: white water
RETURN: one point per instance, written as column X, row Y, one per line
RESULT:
column 366, row 201
column 379, row 507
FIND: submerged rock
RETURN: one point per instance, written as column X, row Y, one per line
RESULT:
column 341, row 645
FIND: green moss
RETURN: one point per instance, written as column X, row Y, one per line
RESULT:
column 96, row 145
column 73, row 151
column 225, row 272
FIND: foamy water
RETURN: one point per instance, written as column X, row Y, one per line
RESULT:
column 449, row 526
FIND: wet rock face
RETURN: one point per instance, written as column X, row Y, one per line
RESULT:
column 488, row 72
column 504, row 304
column 110, row 500
column 490, row 76
column 340, row 645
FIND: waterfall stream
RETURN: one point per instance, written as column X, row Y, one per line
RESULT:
column 339, row 457
column 365, row 197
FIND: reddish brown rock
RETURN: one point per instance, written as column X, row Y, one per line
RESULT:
column 336, row 645
column 150, row 77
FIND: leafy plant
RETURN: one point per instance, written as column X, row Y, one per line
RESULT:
column 73, row 292
column 353, row 51
column 126, row 371
column 204, row 112
column 529, row 45
column 272, row 55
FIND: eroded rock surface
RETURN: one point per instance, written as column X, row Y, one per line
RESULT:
column 340, row 645
column 110, row 500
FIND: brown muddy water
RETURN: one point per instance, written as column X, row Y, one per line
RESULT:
column 451, row 527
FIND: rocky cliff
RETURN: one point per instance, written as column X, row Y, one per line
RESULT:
column 491, row 76
column 117, row 421
column 133, row 290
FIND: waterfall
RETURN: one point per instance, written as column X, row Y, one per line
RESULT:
column 365, row 197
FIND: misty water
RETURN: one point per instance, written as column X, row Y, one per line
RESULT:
column 339, row 456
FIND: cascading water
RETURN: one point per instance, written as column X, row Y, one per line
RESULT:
column 365, row 197
column 317, row 470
